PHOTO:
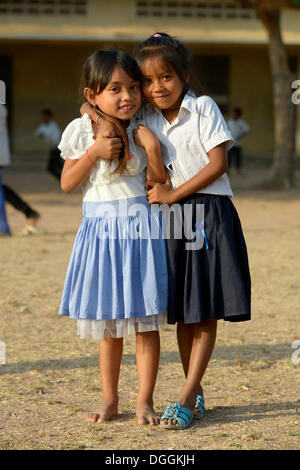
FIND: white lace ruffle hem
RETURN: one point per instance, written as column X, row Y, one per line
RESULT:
column 100, row 329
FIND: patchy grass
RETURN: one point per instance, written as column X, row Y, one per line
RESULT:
column 51, row 377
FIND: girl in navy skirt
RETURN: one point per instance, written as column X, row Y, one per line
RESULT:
column 116, row 282
column 208, row 279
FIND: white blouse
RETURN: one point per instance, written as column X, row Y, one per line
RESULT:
column 103, row 184
column 198, row 128
column 238, row 127
column 51, row 133
column 4, row 147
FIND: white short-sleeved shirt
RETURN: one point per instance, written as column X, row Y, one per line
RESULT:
column 198, row 128
column 4, row 141
column 51, row 133
column 103, row 184
column 238, row 128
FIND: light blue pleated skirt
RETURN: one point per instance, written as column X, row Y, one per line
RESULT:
column 116, row 281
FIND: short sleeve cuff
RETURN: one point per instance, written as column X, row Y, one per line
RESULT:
column 76, row 138
column 69, row 153
column 219, row 139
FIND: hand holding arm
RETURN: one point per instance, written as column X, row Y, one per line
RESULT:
column 149, row 184
column 212, row 171
column 75, row 172
column 106, row 129
column 106, row 146
column 86, row 108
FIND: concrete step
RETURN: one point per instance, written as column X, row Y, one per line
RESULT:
column 28, row 162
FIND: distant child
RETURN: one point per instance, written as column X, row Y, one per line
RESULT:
column 238, row 128
column 116, row 281
column 50, row 131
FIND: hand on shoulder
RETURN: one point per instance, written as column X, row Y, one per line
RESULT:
column 144, row 138
column 106, row 146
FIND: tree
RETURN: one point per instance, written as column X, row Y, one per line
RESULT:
column 269, row 12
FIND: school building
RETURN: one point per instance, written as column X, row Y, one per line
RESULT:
column 43, row 44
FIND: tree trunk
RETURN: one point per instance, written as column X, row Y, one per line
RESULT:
column 281, row 174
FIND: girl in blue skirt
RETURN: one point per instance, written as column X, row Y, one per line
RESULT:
column 116, row 282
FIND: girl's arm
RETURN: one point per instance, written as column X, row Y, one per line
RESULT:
column 155, row 167
column 212, row 171
column 86, row 108
column 167, row 182
column 75, row 172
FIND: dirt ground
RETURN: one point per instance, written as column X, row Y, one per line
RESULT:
column 51, row 377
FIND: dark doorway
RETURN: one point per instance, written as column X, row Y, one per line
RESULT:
column 212, row 73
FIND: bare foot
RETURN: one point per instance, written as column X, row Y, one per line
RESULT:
column 104, row 414
column 145, row 414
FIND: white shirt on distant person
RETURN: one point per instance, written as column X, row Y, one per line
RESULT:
column 4, row 141
column 51, row 133
column 238, row 128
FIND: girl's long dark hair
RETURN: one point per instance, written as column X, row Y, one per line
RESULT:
column 97, row 73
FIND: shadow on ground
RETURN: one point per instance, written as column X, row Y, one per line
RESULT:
column 228, row 354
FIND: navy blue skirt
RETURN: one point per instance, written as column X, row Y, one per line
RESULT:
column 208, row 269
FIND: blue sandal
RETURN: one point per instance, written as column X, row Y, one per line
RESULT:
column 180, row 414
column 199, row 407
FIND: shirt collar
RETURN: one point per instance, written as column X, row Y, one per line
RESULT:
column 188, row 103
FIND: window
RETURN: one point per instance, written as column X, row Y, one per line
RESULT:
column 183, row 9
column 43, row 7
column 212, row 78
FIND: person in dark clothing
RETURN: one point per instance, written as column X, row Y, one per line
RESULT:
column 6, row 193
column 20, row 205
column 239, row 128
